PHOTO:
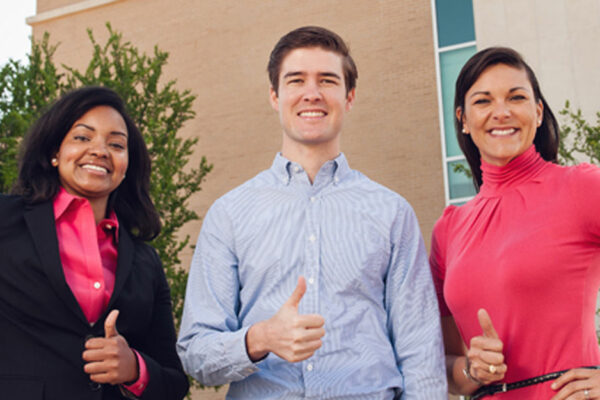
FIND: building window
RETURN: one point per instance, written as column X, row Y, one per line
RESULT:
column 455, row 43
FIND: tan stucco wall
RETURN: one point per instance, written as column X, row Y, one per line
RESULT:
column 558, row 38
column 219, row 50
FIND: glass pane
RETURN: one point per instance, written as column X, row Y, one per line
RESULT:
column 454, row 22
column 460, row 184
column 450, row 64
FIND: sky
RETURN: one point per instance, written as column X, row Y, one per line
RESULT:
column 14, row 31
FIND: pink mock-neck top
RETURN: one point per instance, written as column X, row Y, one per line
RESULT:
column 527, row 249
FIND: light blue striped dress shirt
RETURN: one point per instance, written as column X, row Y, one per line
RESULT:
column 359, row 247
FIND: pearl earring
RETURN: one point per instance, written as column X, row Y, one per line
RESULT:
column 54, row 161
column 464, row 131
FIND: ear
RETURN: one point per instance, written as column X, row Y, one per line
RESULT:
column 274, row 99
column 350, row 99
column 539, row 110
column 460, row 116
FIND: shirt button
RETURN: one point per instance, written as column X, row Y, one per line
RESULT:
column 296, row 168
column 313, row 199
column 336, row 179
column 312, row 238
column 311, row 280
column 97, row 285
column 309, row 367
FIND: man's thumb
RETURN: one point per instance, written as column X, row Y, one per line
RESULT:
column 296, row 296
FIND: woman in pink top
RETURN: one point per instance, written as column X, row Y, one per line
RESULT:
column 517, row 268
column 85, row 309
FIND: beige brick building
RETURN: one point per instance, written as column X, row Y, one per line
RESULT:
column 219, row 50
column 408, row 53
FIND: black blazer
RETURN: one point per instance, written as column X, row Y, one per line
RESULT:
column 43, row 329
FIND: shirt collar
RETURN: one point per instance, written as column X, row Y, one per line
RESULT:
column 63, row 201
column 336, row 169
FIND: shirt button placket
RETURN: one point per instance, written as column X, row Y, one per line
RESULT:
column 311, row 268
column 311, row 271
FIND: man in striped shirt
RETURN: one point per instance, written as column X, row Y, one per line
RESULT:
column 310, row 280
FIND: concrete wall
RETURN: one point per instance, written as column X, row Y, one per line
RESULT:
column 558, row 38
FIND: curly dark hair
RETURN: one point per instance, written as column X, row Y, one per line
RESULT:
column 38, row 180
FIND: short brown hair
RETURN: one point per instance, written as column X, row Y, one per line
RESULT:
column 312, row 36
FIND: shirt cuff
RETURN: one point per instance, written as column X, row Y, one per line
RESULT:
column 138, row 387
column 240, row 356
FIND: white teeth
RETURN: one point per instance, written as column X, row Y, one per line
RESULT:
column 312, row 114
column 503, row 132
column 94, row 167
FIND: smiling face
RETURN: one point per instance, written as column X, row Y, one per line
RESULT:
column 311, row 99
column 501, row 114
column 93, row 156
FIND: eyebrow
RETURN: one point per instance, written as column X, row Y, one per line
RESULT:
column 91, row 128
column 299, row 73
column 487, row 93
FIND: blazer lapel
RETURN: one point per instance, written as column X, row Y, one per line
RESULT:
column 40, row 222
column 124, row 265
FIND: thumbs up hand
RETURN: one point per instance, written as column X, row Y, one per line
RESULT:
column 485, row 358
column 110, row 324
column 110, row 359
column 292, row 336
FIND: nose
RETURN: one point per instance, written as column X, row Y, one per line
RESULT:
column 312, row 92
column 501, row 110
column 98, row 148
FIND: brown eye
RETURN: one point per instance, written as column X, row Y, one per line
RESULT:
column 118, row 146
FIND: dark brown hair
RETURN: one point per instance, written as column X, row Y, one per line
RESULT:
column 547, row 134
column 311, row 36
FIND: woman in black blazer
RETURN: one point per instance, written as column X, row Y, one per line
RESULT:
column 56, row 340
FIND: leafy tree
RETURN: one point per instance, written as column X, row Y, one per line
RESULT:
column 24, row 92
column 159, row 109
column 579, row 139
